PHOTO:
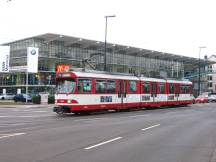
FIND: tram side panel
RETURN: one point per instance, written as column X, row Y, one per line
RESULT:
column 153, row 93
column 133, row 93
column 171, row 96
column 162, row 94
column 186, row 95
column 86, row 92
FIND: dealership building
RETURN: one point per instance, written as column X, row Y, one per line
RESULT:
column 55, row 49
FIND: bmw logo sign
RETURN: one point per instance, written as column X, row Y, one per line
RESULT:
column 33, row 51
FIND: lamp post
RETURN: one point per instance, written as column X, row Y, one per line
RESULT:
column 199, row 86
column 105, row 42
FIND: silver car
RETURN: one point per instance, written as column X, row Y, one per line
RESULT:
column 212, row 98
column 6, row 96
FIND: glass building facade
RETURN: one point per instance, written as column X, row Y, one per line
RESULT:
column 55, row 50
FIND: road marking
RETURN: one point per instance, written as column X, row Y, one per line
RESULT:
column 103, row 143
column 10, row 135
column 93, row 119
column 134, row 116
column 150, row 127
column 26, row 116
column 12, row 124
column 21, row 129
column 40, row 111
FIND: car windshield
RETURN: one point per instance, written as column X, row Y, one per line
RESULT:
column 66, row 86
column 24, row 95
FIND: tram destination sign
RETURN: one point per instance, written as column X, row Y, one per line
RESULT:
column 4, row 58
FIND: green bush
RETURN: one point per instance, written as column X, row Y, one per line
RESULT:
column 36, row 99
column 51, row 99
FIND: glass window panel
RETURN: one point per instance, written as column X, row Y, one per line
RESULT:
column 146, row 87
column 132, row 86
column 111, row 86
column 101, row 86
column 161, row 88
column 84, row 85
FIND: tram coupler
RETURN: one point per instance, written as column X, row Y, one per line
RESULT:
column 61, row 109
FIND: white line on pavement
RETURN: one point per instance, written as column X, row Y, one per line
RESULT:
column 16, row 116
column 21, row 129
column 93, row 119
column 150, row 127
column 26, row 116
column 134, row 116
column 102, row 143
column 40, row 111
column 10, row 135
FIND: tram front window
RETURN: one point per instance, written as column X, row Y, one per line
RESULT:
column 66, row 86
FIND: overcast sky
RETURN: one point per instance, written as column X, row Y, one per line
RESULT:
column 173, row 26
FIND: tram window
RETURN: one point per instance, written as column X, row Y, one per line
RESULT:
column 146, row 87
column 182, row 89
column 185, row 89
column 171, row 88
column 100, row 86
column 132, row 86
column 161, row 88
column 66, row 86
column 111, row 86
column 84, row 85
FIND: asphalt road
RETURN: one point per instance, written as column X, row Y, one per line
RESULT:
column 181, row 134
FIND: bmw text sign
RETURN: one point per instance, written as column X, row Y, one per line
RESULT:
column 32, row 59
column 4, row 58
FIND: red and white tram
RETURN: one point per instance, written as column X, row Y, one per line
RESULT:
column 81, row 91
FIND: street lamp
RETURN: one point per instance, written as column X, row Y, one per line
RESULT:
column 105, row 43
column 199, row 88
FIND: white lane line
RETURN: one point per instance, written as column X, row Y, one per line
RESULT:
column 10, row 135
column 40, row 111
column 150, row 127
column 94, row 119
column 21, row 129
column 103, row 143
column 134, row 116
column 16, row 116
column 26, row 116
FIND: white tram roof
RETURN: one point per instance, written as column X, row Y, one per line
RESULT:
column 180, row 81
column 105, row 76
column 152, row 79
column 125, row 77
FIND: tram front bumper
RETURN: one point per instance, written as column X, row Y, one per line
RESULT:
column 61, row 109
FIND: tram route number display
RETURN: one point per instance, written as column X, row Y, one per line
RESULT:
column 171, row 97
column 106, row 99
column 145, row 98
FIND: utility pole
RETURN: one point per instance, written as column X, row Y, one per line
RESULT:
column 105, row 42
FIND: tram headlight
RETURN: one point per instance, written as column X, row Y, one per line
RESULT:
column 69, row 101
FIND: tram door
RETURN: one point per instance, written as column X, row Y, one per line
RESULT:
column 154, row 91
column 122, row 95
column 177, row 92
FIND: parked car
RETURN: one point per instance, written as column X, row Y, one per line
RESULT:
column 212, row 98
column 22, row 98
column 201, row 99
column 6, row 96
